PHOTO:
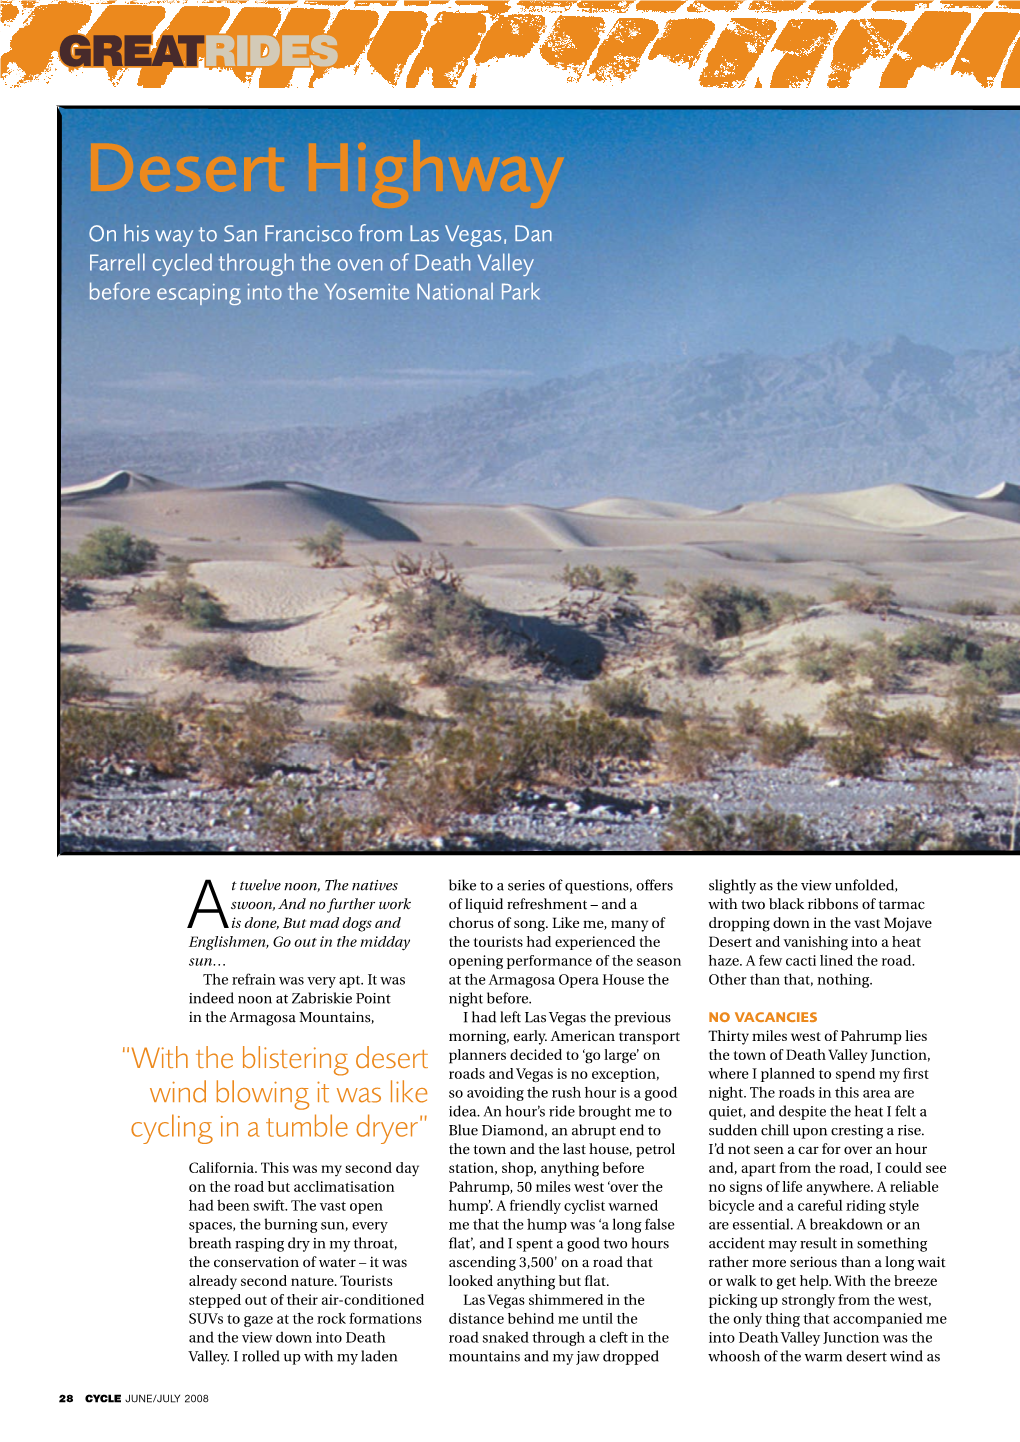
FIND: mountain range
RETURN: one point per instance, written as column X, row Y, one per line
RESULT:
column 714, row 432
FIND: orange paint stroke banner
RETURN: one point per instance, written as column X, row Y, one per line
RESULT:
column 716, row 44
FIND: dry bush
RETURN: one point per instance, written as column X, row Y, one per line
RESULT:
column 692, row 659
column 462, row 770
column 78, row 683
column 761, row 666
column 878, row 663
column 379, row 696
column 854, row 753
column 369, row 741
column 693, row 746
column 429, row 615
column 74, row 597
column 108, row 552
column 286, row 820
column 693, row 828
column 928, row 642
column 906, row 732
column 970, row 608
column 179, row 597
column 720, row 610
column 822, row 660
column 781, row 742
column 222, row 658
column 469, row 698
column 749, row 720
column 326, row 550
column 619, row 696
column 870, row 598
column 575, row 744
column 91, row 736
column 238, row 745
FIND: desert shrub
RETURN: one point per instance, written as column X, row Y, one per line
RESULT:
column 854, row 753
column 377, row 585
column 620, row 581
column 928, row 642
column 473, row 768
column 468, row 698
column 970, row 608
column 692, row 747
column 963, row 729
column 974, row 696
column 852, row 710
column 221, row 658
column 91, row 735
column 1000, row 665
column 583, row 578
column 1001, row 739
column 785, row 606
column 369, row 741
column 462, row 770
column 484, row 763
column 72, row 596
column 180, row 598
column 823, row 659
column 287, row 820
column 423, row 796
column 107, row 552
column 783, row 741
column 149, row 635
column 860, row 747
column 749, row 719
column 768, row 830
column 378, row 696
column 959, row 738
column 441, row 669
column 695, row 828
column 236, row 746
column 761, row 666
column 578, row 744
column 905, row 732
column 868, row 597
column 878, row 663
column 692, row 659
column 619, row 696
column 327, row 550
column 904, row 832
column 189, row 707
column 78, row 683
column 718, row 609
column 430, row 614
column 690, row 827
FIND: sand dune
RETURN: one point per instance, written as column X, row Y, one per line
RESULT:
column 318, row 628
column 632, row 509
column 911, row 506
column 266, row 513
column 1004, row 491
column 892, row 528
column 116, row 483
column 890, row 508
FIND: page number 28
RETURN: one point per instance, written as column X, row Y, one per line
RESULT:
column 66, row 1397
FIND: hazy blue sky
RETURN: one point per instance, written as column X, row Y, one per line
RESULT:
column 676, row 233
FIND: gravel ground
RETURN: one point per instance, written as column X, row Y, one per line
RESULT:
column 127, row 810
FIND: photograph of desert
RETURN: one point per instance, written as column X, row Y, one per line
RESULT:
column 691, row 599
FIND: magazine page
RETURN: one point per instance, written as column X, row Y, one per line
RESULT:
column 548, row 540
